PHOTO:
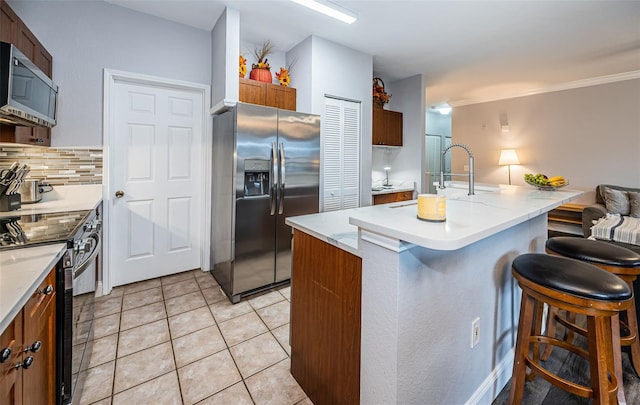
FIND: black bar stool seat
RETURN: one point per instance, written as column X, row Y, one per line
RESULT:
column 618, row 260
column 581, row 288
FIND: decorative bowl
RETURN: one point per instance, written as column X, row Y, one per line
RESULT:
column 547, row 188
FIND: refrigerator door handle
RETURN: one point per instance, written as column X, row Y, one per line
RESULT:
column 274, row 176
column 282, row 177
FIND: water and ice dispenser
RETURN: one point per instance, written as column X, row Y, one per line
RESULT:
column 256, row 177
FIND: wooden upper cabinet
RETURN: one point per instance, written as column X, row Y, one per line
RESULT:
column 13, row 30
column 271, row 95
column 253, row 91
column 281, row 97
column 387, row 127
column 8, row 23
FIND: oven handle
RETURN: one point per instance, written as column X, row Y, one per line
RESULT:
column 79, row 269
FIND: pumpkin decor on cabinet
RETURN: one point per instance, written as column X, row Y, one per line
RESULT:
column 380, row 97
column 242, row 69
column 261, row 70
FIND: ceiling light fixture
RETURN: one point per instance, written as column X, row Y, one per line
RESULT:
column 444, row 110
column 330, row 9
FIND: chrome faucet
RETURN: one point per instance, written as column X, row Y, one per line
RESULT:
column 442, row 173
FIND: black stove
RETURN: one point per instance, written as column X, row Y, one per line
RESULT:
column 81, row 232
column 37, row 229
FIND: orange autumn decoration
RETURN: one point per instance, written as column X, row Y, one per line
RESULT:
column 243, row 67
column 261, row 70
column 283, row 77
column 380, row 97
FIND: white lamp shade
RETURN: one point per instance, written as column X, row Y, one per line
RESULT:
column 508, row 157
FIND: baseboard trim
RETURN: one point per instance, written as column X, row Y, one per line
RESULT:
column 495, row 381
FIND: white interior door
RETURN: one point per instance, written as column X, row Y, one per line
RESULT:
column 340, row 154
column 154, row 181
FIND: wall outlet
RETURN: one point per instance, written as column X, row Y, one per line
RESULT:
column 466, row 168
column 475, row 332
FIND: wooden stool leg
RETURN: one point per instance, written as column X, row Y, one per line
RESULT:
column 600, row 357
column 632, row 322
column 617, row 356
column 527, row 307
column 536, row 330
column 550, row 331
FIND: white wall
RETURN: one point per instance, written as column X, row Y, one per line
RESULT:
column 437, row 124
column 405, row 162
column 590, row 135
column 85, row 37
column 335, row 70
column 301, row 79
column 225, row 46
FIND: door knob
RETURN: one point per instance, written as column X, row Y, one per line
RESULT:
column 119, row 194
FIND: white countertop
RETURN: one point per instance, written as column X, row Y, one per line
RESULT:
column 332, row 227
column 469, row 218
column 21, row 271
column 62, row 198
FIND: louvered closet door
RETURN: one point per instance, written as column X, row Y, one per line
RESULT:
column 341, row 154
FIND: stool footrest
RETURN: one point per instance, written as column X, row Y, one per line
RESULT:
column 569, row 386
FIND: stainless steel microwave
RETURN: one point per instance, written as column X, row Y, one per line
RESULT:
column 27, row 96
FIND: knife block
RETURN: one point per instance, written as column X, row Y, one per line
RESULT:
column 10, row 202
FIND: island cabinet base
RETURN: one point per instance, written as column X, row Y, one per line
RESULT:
column 325, row 321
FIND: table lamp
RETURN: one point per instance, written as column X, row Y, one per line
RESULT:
column 386, row 180
column 508, row 157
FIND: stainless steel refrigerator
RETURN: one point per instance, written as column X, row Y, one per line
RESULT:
column 266, row 165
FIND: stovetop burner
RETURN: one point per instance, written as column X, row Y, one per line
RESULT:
column 28, row 230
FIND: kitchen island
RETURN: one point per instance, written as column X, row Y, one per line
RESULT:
column 422, row 285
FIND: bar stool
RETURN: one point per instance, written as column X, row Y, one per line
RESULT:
column 624, row 263
column 577, row 287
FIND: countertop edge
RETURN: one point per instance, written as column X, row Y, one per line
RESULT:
column 328, row 239
column 450, row 245
column 392, row 190
column 11, row 314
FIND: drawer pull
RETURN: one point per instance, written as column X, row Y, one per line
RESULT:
column 26, row 363
column 5, row 354
column 46, row 291
column 35, row 347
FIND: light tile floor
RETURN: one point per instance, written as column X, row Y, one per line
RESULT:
column 178, row 340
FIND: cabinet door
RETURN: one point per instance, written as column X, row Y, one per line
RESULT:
column 387, row 127
column 11, row 377
column 281, row 97
column 252, row 91
column 8, row 23
column 39, row 326
column 393, row 127
column 377, row 127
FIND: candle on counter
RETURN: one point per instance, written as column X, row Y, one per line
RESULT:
column 432, row 207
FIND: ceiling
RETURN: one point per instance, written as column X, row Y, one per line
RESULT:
column 466, row 50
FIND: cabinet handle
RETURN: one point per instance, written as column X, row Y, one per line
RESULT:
column 26, row 363
column 5, row 354
column 34, row 348
column 47, row 291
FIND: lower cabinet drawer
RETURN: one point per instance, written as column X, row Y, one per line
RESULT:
column 392, row 197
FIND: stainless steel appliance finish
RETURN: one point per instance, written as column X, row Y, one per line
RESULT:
column 266, row 166
column 31, row 191
column 81, row 231
column 27, row 96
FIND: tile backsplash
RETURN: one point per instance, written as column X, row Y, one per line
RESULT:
column 57, row 166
